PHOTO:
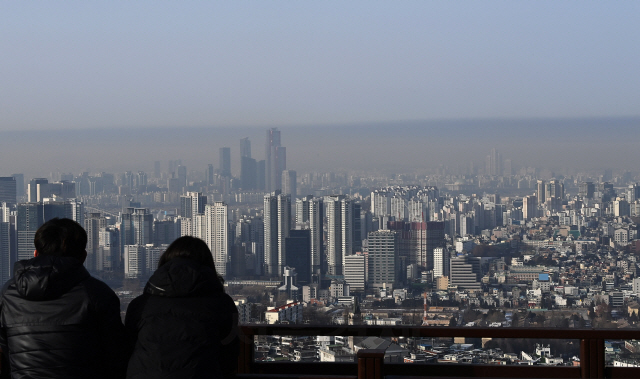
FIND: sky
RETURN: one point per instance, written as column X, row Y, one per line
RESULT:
column 122, row 64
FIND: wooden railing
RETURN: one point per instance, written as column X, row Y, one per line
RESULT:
column 370, row 364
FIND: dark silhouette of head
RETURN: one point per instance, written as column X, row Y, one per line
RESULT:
column 190, row 248
column 61, row 237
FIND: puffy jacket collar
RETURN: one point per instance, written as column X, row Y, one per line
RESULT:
column 183, row 278
column 46, row 277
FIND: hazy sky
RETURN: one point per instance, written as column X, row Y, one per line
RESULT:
column 83, row 64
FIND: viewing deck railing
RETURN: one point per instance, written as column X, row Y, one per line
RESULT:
column 370, row 363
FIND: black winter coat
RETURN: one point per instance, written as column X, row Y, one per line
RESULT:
column 183, row 326
column 56, row 321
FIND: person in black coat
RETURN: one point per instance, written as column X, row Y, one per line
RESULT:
column 183, row 325
column 56, row 321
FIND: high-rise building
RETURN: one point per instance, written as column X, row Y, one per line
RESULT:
column 529, row 207
column 248, row 173
column 136, row 227
column 245, row 147
column 109, row 248
column 417, row 241
column 493, row 164
column 20, row 192
column 210, row 175
column 8, row 243
column 8, row 190
column 93, row 223
column 298, row 249
column 633, row 192
column 225, row 161
column 165, row 231
column 191, row 204
column 289, row 186
column 310, row 215
column 441, row 262
column 135, row 261
column 541, row 195
column 30, row 217
column 217, row 234
column 340, row 231
column 383, row 258
column 587, row 190
column 465, row 273
column 182, row 176
column 34, row 190
column 355, row 273
column 554, row 190
column 277, row 224
column 275, row 161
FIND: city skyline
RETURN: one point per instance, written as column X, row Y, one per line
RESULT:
column 570, row 145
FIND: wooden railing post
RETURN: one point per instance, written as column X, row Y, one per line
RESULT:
column 370, row 363
column 592, row 358
column 245, row 357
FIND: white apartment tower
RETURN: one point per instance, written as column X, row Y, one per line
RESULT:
column 340, row 213
column 310, row 215
column 217, row 234
column 277, row 223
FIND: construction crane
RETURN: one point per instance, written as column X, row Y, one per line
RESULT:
column 425, row 322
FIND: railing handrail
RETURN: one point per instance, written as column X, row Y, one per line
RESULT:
column 592, row 360
column 440, row 331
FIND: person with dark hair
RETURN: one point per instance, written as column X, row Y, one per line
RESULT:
column 56, row 321
column 183, row 325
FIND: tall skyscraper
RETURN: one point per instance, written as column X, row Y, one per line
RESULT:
column 493, row 163
column 217, row 234
column 109, row 248
column 298, row 248
column 277, row 224
column 93, row 223
column 8, row 190
column 245, row 147
column 20, row 192
column 441, row 261
column 289, row 186
column 248, row 173
column 182, row 176
column 383, row 258
column 541, row 195
column 225, row 161
column 210, row 174
column 275, row 161
column 529, row 207
column 30, row 217
column 310, row 215
column 8, row 243
column 340, row 231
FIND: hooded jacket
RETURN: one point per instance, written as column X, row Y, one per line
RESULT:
column 183, row 325
column 56, row 321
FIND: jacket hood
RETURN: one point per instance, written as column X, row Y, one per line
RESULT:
column 182, row 277
column 46, row 277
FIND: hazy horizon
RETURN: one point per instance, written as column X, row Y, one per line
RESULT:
column 404, row 146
